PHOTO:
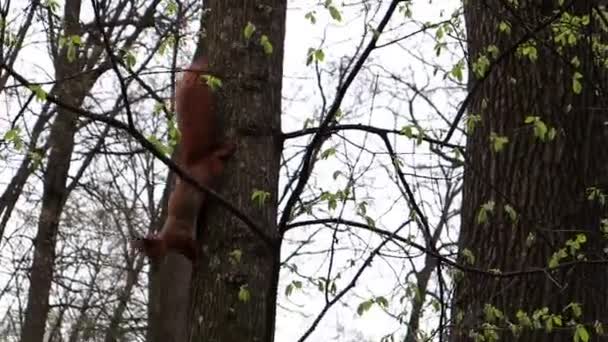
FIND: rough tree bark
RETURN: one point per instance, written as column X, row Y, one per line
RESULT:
column 234, row 259
column 169, row 291
column 546, row 182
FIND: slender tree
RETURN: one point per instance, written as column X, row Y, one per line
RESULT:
column 61, row 143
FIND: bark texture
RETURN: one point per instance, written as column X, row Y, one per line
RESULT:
column 234, row 260
column 169, row 299
column 546, row 182
column 169, row 288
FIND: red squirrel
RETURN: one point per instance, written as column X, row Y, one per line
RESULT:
column 201, row 154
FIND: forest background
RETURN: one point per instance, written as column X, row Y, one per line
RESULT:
column 399, row 175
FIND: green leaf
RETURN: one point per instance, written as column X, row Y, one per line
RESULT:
column 248, row 30
column 382, row 302
column 53, row 5
column 244, row 294
column 266, row 44
column 162, row 148
column 36, row 157
column 469, row 257
column 504, row 27
column 551, row 134
column 439, row 33
column 581, row 238
column 490, row 332
column 436, row 305
column 528, row 50
column 457, row 71
column 596, row 194
column 540, row 130
column 482, row 215
column 407, row 131
column 319, row 55
column 288, row 290
column 538, row 315
column 294, row 285
column 493, row 51
column 166, row 44
column 321, row 285
column 549, row 325
column 492, row 314
column 332, row 203
column 484, row 103
column 557, row 320
column 71, row 52
column 39, row 92
column 159, row 107
column 481, row 66
column 577, row 86
column 260, row 197
column 581, row 333
column 14, row 137
column 598, row 327
column 235, row 256
column 213, row 82
column 316, row 55
column 471, row 122
column 511, row 213
column 332, row 200
column 129, row 59
column 75, row 39
column 335, row 14
column 171, row 7
column 557, row 257
column 498, row 142
column 311, row 17
column 576, row 309
column 523, row 318
column 439, row 46
column 174, row 133
column 328, row 153
column 406, row 10
column 575, row 62
column 364, row 307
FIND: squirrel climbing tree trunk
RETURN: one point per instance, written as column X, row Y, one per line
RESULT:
column 235, row 279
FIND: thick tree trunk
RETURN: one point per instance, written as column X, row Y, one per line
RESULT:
column 546, row 182
column 234, row 259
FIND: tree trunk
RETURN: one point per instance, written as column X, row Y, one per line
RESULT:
column 545, row 182
column 168, row 289
column 169, row 299
column 61, row 142
column 235, row 260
